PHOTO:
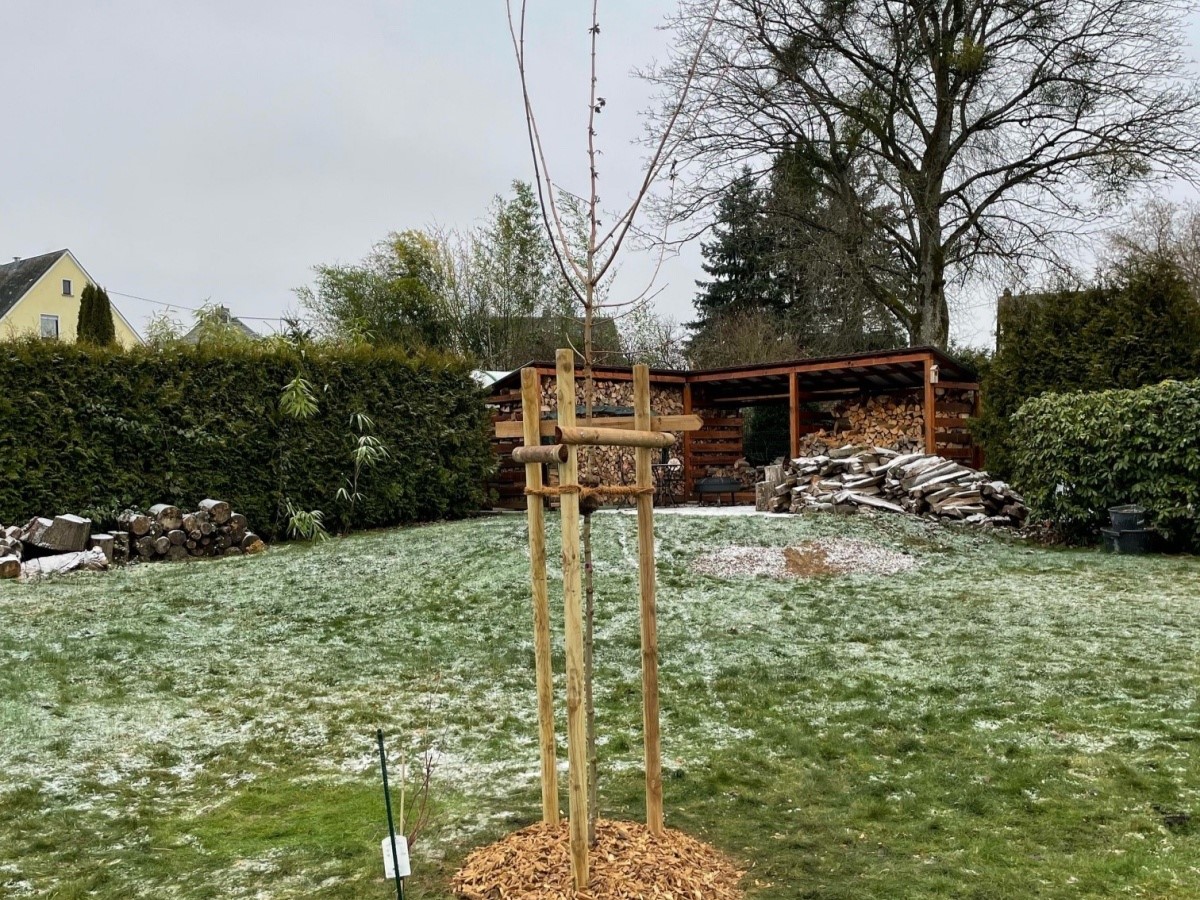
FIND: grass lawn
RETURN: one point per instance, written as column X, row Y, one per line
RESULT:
column 1002, row 722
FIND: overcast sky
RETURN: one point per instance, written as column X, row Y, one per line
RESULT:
column 219, row 149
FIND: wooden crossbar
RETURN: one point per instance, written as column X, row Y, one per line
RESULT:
column 612, row 437
column 657, row 423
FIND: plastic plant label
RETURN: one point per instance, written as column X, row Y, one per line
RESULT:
column 401, row 857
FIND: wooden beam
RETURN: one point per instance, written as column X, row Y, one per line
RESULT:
column 515, row 429
column 531, row 402
column 751, row 398
column 864, row 362
column 568, row 477
column 959, row 385
column 540, row 453
column 689, row 476
column 612, row 437
column 930, row 408
column 649, row 615
column 794, row 415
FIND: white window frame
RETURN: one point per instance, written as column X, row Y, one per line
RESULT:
column 66, row 286
column 48, row 319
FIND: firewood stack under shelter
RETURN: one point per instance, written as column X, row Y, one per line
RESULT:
column 66, row 543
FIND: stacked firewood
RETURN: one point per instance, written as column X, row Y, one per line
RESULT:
column 884, row 421
column 167, row 532
column 65, row 543
column 915, row 483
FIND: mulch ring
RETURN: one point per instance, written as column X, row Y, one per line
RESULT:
column 627, row 863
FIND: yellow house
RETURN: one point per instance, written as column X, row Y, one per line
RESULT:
column 40, row 296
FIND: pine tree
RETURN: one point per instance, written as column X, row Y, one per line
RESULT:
column 738, row 259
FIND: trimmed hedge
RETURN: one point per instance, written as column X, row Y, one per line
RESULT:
column 1139, row 326
column 92, row 430
column 1108, row 448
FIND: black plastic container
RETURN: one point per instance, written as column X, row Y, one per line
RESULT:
column 1127, row 518
column 1129, row 541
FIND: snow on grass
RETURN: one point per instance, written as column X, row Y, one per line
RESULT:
column 227, row 709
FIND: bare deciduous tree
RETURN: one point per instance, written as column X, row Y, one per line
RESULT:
column 989, row 130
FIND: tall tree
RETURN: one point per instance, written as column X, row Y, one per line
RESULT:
column 989, row 129
column 740, row 258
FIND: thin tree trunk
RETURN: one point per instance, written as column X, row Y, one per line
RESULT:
column 588, row 680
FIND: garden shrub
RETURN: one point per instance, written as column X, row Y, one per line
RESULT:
column 94, row 430
column 1078, row 454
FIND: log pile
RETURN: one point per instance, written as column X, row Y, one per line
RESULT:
column 66, row 543
column 167, row 532
column 916, row 483
column 877, row 421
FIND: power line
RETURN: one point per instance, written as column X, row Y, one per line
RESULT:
column 193, row 309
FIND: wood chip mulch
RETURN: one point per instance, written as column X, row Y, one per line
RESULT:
column 627, row 863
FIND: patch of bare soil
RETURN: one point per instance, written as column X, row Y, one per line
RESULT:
column 808, row 559
column 627, row 863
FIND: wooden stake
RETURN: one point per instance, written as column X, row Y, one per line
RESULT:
column 688, row 474
column 531, row 413
column 930, row 409
column 649, row 616
column 546, row 453
column 568, row 476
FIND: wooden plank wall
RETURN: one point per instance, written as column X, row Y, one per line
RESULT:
column 718, row 443
column 952, row 408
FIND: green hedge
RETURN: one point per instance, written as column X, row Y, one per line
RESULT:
column 1138, row 326
column 1109, row 448
column 95, row 430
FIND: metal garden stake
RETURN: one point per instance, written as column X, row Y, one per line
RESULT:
column 387, row 802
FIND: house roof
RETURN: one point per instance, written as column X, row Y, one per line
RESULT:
column 18, row 276
column 227, row 318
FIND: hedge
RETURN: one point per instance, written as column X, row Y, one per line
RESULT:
column 1078, row 454
column 92, row 430
column 1138, row 326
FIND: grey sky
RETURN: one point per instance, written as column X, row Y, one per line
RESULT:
column 220, row 149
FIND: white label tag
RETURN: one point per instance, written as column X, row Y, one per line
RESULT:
column 401, row 857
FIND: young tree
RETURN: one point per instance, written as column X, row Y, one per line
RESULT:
column 586, row 265
column 989, row 130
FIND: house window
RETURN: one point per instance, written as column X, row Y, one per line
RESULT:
column 66, row 287
column 50, row 327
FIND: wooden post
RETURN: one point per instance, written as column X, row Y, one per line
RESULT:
column 649, row 616
column 794, row 413
column 531, row 414
column 689, row 476
column 568, row 478
column 930, row 408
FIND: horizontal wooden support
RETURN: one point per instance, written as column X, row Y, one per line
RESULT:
column 951, row 422
column 657, row 423
column 545, row 453
column 722, row 447
column 958, row 385
column 612, row 437
column 862, row 362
